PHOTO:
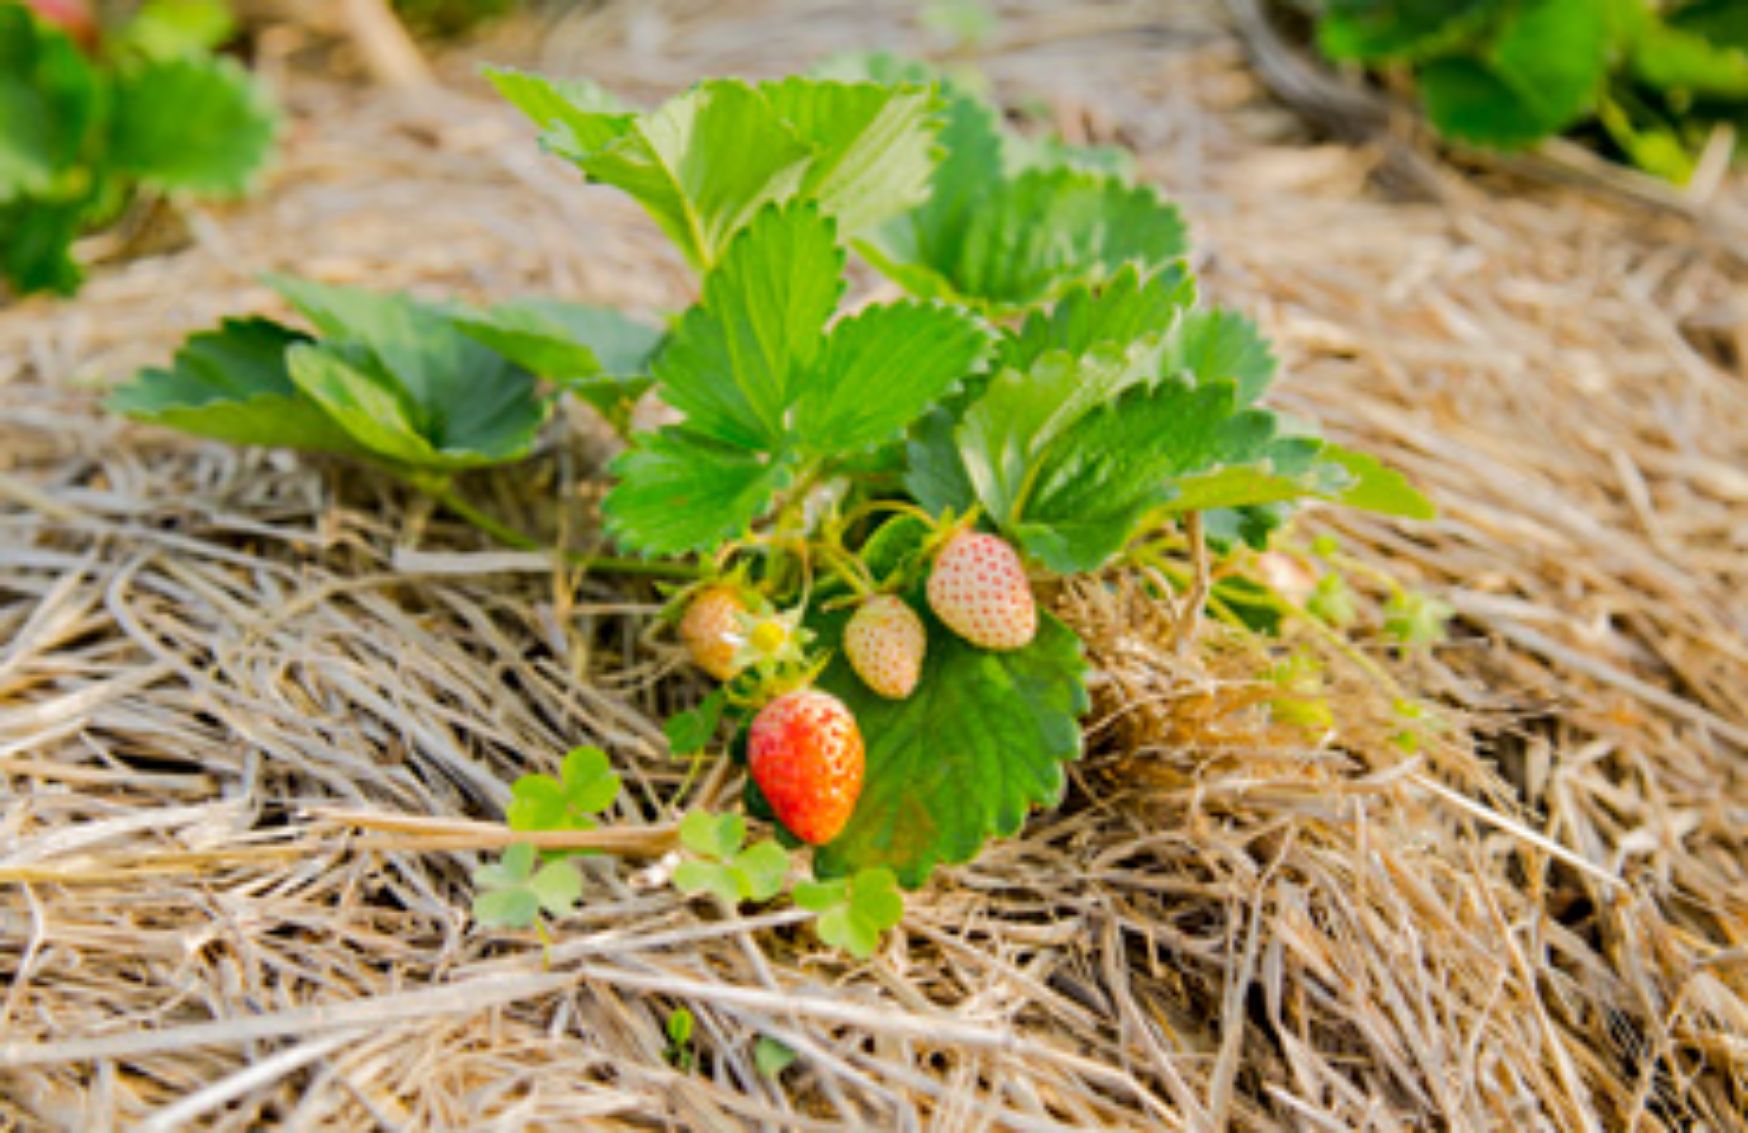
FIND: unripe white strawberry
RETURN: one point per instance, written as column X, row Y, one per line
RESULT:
column 710, row 627
column 979, row 589
column 884, row 642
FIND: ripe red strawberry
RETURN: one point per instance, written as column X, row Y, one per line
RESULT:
column 805, row 753
column 979, row 589
column 884, row 642
column 711, row 629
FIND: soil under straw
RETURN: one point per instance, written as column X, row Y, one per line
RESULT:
column 1539, row 921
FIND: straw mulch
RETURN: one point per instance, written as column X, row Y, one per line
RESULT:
column 1538, row 921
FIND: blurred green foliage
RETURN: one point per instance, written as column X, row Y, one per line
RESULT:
column 92, row 113
column 1648, row 80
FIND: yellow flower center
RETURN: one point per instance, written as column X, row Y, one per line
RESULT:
column 768, row 637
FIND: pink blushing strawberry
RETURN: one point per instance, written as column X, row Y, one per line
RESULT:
column 979, row 589
column 805, row 753
column 884, row 642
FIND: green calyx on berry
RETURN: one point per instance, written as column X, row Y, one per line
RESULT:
column 805, row 752
column 979, row 590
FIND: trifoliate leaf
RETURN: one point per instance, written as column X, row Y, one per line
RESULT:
column 1021, row 415
column 579, row 116
column 681, row 491
column 882, row 368
column 595, row 352
column 872, row 143
column 980, row 742
column 49, row 103
column 740, row 358
column 407, row 384
column 1129, row 306
column 701, row 166
column 1219, row 345
column 1029, row 239
column 1090, row 488
column 197, row 125
column 232, row 384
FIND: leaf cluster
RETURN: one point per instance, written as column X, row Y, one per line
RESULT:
column 422, row 388
column 1654, row 79
column 149, row 109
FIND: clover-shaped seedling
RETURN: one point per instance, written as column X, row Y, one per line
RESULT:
column 511, row 892
column 721, row 866
column 586, row 785
column 854, row 911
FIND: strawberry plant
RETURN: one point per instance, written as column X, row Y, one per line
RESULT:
column 868, row 496
column 92, row 114
column 1656, row 77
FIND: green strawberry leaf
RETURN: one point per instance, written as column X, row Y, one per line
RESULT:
column 595, row 352
column 1118, row 311
column 679, row 491
column 880, row 370
column 1032, row 238
column 49, row 104
column 1679, row 60
column 1022, row 415
column 980, row 742
column 577, row 115
column 738, row 360
column 197, row 125
column 1215, row 345
column 232, row 384
column 819, row 896
column 1091, row 489
column 872, row 144
column 701, row 166
column 400, row 377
